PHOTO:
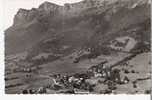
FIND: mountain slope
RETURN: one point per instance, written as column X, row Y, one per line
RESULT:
column 87, row 24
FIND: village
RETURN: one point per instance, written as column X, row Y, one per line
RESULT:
column 80, row 83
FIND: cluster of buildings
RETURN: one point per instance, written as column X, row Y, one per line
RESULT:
column 78, row 83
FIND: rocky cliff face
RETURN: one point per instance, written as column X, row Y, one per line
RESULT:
column 88, row 24
column 24, row 15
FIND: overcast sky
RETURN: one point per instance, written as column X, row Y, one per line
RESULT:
column 10, row 8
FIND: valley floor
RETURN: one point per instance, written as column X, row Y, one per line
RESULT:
column 64, row 76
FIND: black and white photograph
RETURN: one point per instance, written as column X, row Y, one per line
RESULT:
column 78, row 47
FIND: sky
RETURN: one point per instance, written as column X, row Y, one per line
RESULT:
column 10, row 8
